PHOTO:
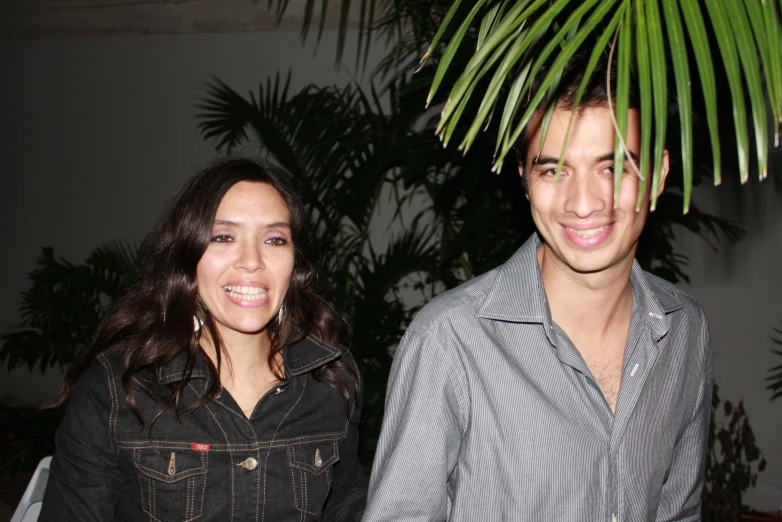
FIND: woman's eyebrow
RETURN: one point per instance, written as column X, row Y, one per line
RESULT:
column 225, row 222
column 279, row 224
column 229, row 223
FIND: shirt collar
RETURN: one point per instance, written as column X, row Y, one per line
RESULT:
column 655, row 301
column 298, row 358
column 518, row 294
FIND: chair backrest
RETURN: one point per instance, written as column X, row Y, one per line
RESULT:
column 30, row 506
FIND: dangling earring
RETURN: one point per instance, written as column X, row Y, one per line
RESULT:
column 198, row 323
column 281, row 313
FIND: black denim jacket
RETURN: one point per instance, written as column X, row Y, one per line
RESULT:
column 295, row 458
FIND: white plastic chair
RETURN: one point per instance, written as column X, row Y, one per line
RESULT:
column 30, row 506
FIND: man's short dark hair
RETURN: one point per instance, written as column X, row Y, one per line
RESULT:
column 595, row 94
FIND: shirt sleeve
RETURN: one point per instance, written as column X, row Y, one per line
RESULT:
column 348, row 496
column 681, row 495
column 84, row 482
column 421, row 436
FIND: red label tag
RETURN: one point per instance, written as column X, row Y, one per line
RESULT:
column 199, row 446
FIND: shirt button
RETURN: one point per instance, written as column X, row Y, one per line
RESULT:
column 249, row 464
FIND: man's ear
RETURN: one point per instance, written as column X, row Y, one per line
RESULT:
column 664, row 172
column 524, row 181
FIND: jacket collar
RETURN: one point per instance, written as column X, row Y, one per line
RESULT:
column 518, row 294
column 298, row 358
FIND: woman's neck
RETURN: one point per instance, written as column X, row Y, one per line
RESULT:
column 245, row 371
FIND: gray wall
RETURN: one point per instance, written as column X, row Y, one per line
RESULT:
column 739, row 287
column 99, row 132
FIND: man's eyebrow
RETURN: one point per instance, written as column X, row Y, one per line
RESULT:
column 610, row 156
column 543, row 160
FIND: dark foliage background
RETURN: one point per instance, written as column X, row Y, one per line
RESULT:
column 396, row 218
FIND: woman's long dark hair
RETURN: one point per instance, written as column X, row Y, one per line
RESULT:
column 153, row 322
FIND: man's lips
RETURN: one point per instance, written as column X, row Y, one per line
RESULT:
column 587, row 232
column 588, row 236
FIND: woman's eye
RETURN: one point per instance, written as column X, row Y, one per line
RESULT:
column 277, row 241
column 221, row 238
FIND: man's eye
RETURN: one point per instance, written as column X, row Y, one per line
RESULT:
column 609, row 171
column 221, row 238
column 277, row 241
column 549, row 172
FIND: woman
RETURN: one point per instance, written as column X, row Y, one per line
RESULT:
column 215, row 389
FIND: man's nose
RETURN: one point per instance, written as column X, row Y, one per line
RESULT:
column 585, row 195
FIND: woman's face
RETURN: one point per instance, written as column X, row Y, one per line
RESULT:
column 244, row 273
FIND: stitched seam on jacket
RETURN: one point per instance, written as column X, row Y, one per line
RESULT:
column 268, row 451
column 228, row 445
column 220, row 448
column 113, row 397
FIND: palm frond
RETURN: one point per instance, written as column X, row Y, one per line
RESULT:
column 775, row 373
column 389, row 18
column 748, row 45
column 65, row 303
column 225, row 115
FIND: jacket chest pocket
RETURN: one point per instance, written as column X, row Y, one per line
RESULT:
column 172, row 483
column 312, row 475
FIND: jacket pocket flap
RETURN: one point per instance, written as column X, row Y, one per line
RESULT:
column 313, row 457
column 170, row 466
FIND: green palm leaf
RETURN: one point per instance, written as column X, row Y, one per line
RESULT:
column 748, row 36
column 748, row 46
column 696, row 27
column 681, row 67
column 624, row 54
column 660, row 91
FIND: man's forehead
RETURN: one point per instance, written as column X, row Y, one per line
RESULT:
column 590, row 129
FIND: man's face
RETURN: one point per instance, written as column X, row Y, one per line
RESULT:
column 575, row 215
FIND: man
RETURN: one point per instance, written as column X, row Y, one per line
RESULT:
column 567, row 384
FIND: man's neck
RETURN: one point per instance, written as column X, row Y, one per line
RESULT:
column 590, row 303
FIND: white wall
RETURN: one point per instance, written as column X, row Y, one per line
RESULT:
column 740, row 289
column 97, row 133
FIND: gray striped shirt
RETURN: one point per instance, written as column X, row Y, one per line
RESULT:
column 492, row 414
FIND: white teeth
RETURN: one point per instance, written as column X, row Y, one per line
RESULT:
column 246, row 293
column 588, row 233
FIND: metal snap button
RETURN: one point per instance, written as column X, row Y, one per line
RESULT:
column 249, row 464
column 278, row 390
column 318, row 459
column 172, row 464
